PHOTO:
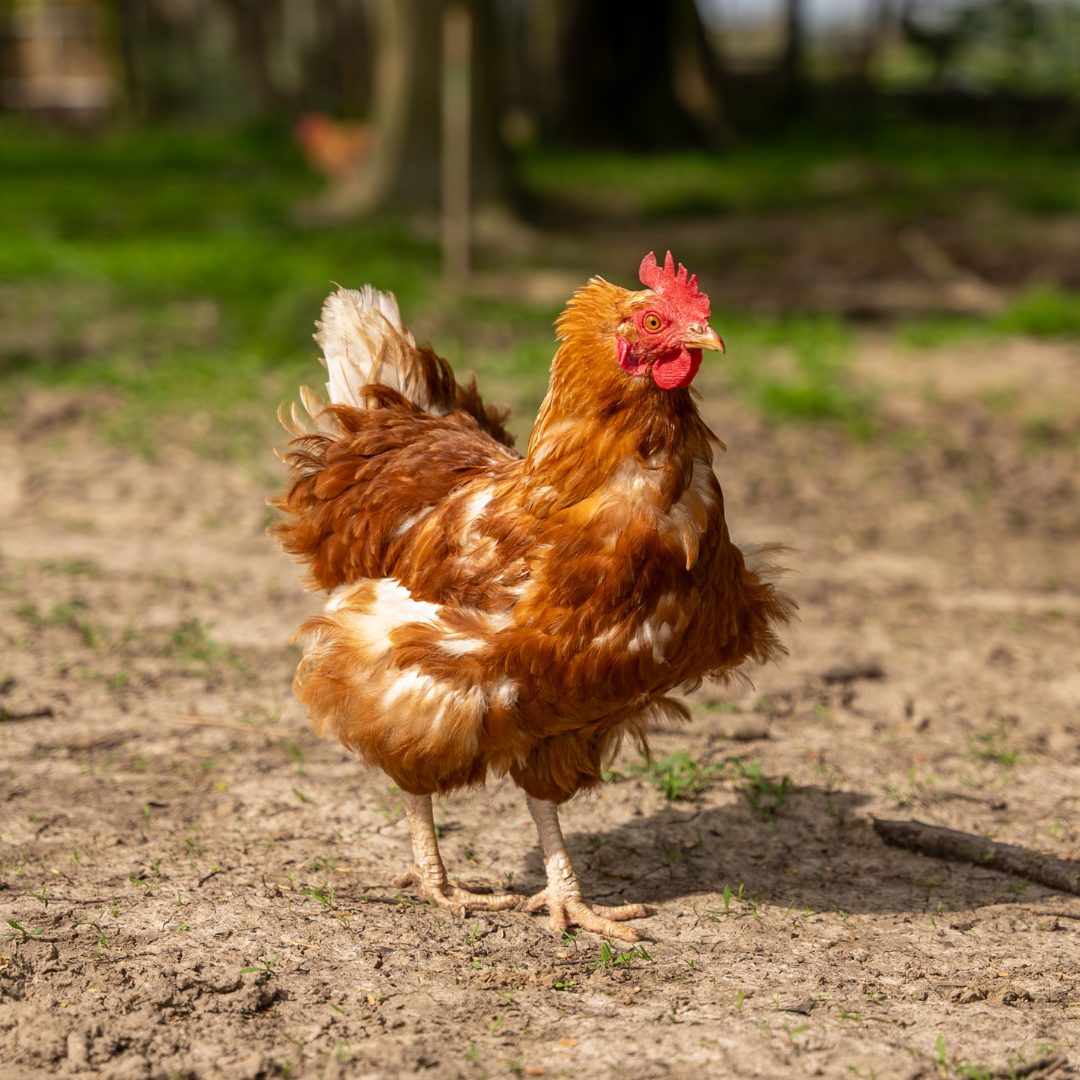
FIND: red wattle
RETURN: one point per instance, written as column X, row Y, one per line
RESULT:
column 677, row 369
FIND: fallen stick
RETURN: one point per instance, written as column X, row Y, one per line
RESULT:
column 8, row 717
column 967, row 847
column 1045, row 1066
column 235, row 725
column 1054, row 912
column 992, row 911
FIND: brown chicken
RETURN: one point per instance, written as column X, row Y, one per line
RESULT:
column 335, row 148
column 493, row 613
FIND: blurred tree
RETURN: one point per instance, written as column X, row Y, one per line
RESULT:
column 939, row 32
column 55, row 60
column 1015, row 25
column 228, row 60
column 257, row 24
column 337, row 68
column 791, row 65
column 404, row 168
column 180, row 58
column 638, row 74
column 876, row 29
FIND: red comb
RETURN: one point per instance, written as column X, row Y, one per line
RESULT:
column 671, row 286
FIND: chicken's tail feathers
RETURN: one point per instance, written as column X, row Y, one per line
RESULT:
column 320, row 420
column 365, row 342
column 373, row 360
column 774, row 608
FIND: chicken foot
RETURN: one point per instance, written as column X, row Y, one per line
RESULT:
column 563, row 897
column 428, row 873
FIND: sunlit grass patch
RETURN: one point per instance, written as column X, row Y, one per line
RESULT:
column 1041, row 311
column 797, row 368
column 169, row 271
column 901, row 168
column 676, row 184
column 677, row 776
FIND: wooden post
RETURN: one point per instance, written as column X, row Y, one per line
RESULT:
column 456, row 140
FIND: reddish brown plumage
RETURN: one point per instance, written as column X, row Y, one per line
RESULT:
column 518, row 614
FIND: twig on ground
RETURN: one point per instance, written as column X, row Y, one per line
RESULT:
column 235, row 725
column 30, row 714
column 967, row 847
column 103, row 900
column 991, row 911
column 1051, row 911
column 1044, row 1066
column 868, row 668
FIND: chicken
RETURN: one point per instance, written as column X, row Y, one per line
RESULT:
column 335, row 148
column 492, row 613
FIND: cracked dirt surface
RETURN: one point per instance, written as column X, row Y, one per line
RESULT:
column 195, row 886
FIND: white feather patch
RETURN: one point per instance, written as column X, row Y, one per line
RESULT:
column 460, row 646
column 365, row 341
column 392, row 607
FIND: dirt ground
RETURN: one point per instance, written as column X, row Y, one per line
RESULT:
column 195, row 886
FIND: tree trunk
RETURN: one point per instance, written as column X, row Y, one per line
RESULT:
column 878, row 23
column 255, row 21
column 405, row 167
column 637, row 74
column 793, row 57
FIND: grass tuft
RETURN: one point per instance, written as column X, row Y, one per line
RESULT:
column 678, row 776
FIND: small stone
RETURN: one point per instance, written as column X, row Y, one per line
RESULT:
column 129, row 1067
column 968, row 995
column 804, row 1007
column 866, row 668
column 245, row 1066
column 77, row 1053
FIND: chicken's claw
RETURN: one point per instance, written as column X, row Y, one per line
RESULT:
column 459, row 901
column 568, row 910
column 427, row 873
column 562, row 897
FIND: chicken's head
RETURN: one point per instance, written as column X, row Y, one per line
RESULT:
column 667, row 330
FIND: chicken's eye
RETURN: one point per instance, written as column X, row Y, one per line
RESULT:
column 653, row 323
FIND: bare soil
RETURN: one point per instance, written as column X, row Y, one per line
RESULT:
column 197, row 887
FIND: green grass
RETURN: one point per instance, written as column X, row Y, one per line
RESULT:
column 678, row 776
column 1041, row 311
column 796, row 368
column 168, row 272
column 765, row 797
column 902, row 167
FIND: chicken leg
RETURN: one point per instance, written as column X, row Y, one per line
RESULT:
column 428, row 873
column 562, row 897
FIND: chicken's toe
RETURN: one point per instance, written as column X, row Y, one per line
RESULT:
column 563, row 897
column 569, row 910
column 449, row 896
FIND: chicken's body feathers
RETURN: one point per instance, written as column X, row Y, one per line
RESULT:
column 505, row 614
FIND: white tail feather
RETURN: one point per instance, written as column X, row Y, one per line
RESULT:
column 317, row 421
column 364, row 341
column 316, row 409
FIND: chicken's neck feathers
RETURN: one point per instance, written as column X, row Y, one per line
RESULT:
column 596, row 429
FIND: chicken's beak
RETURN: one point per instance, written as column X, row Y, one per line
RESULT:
column 703, row 337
